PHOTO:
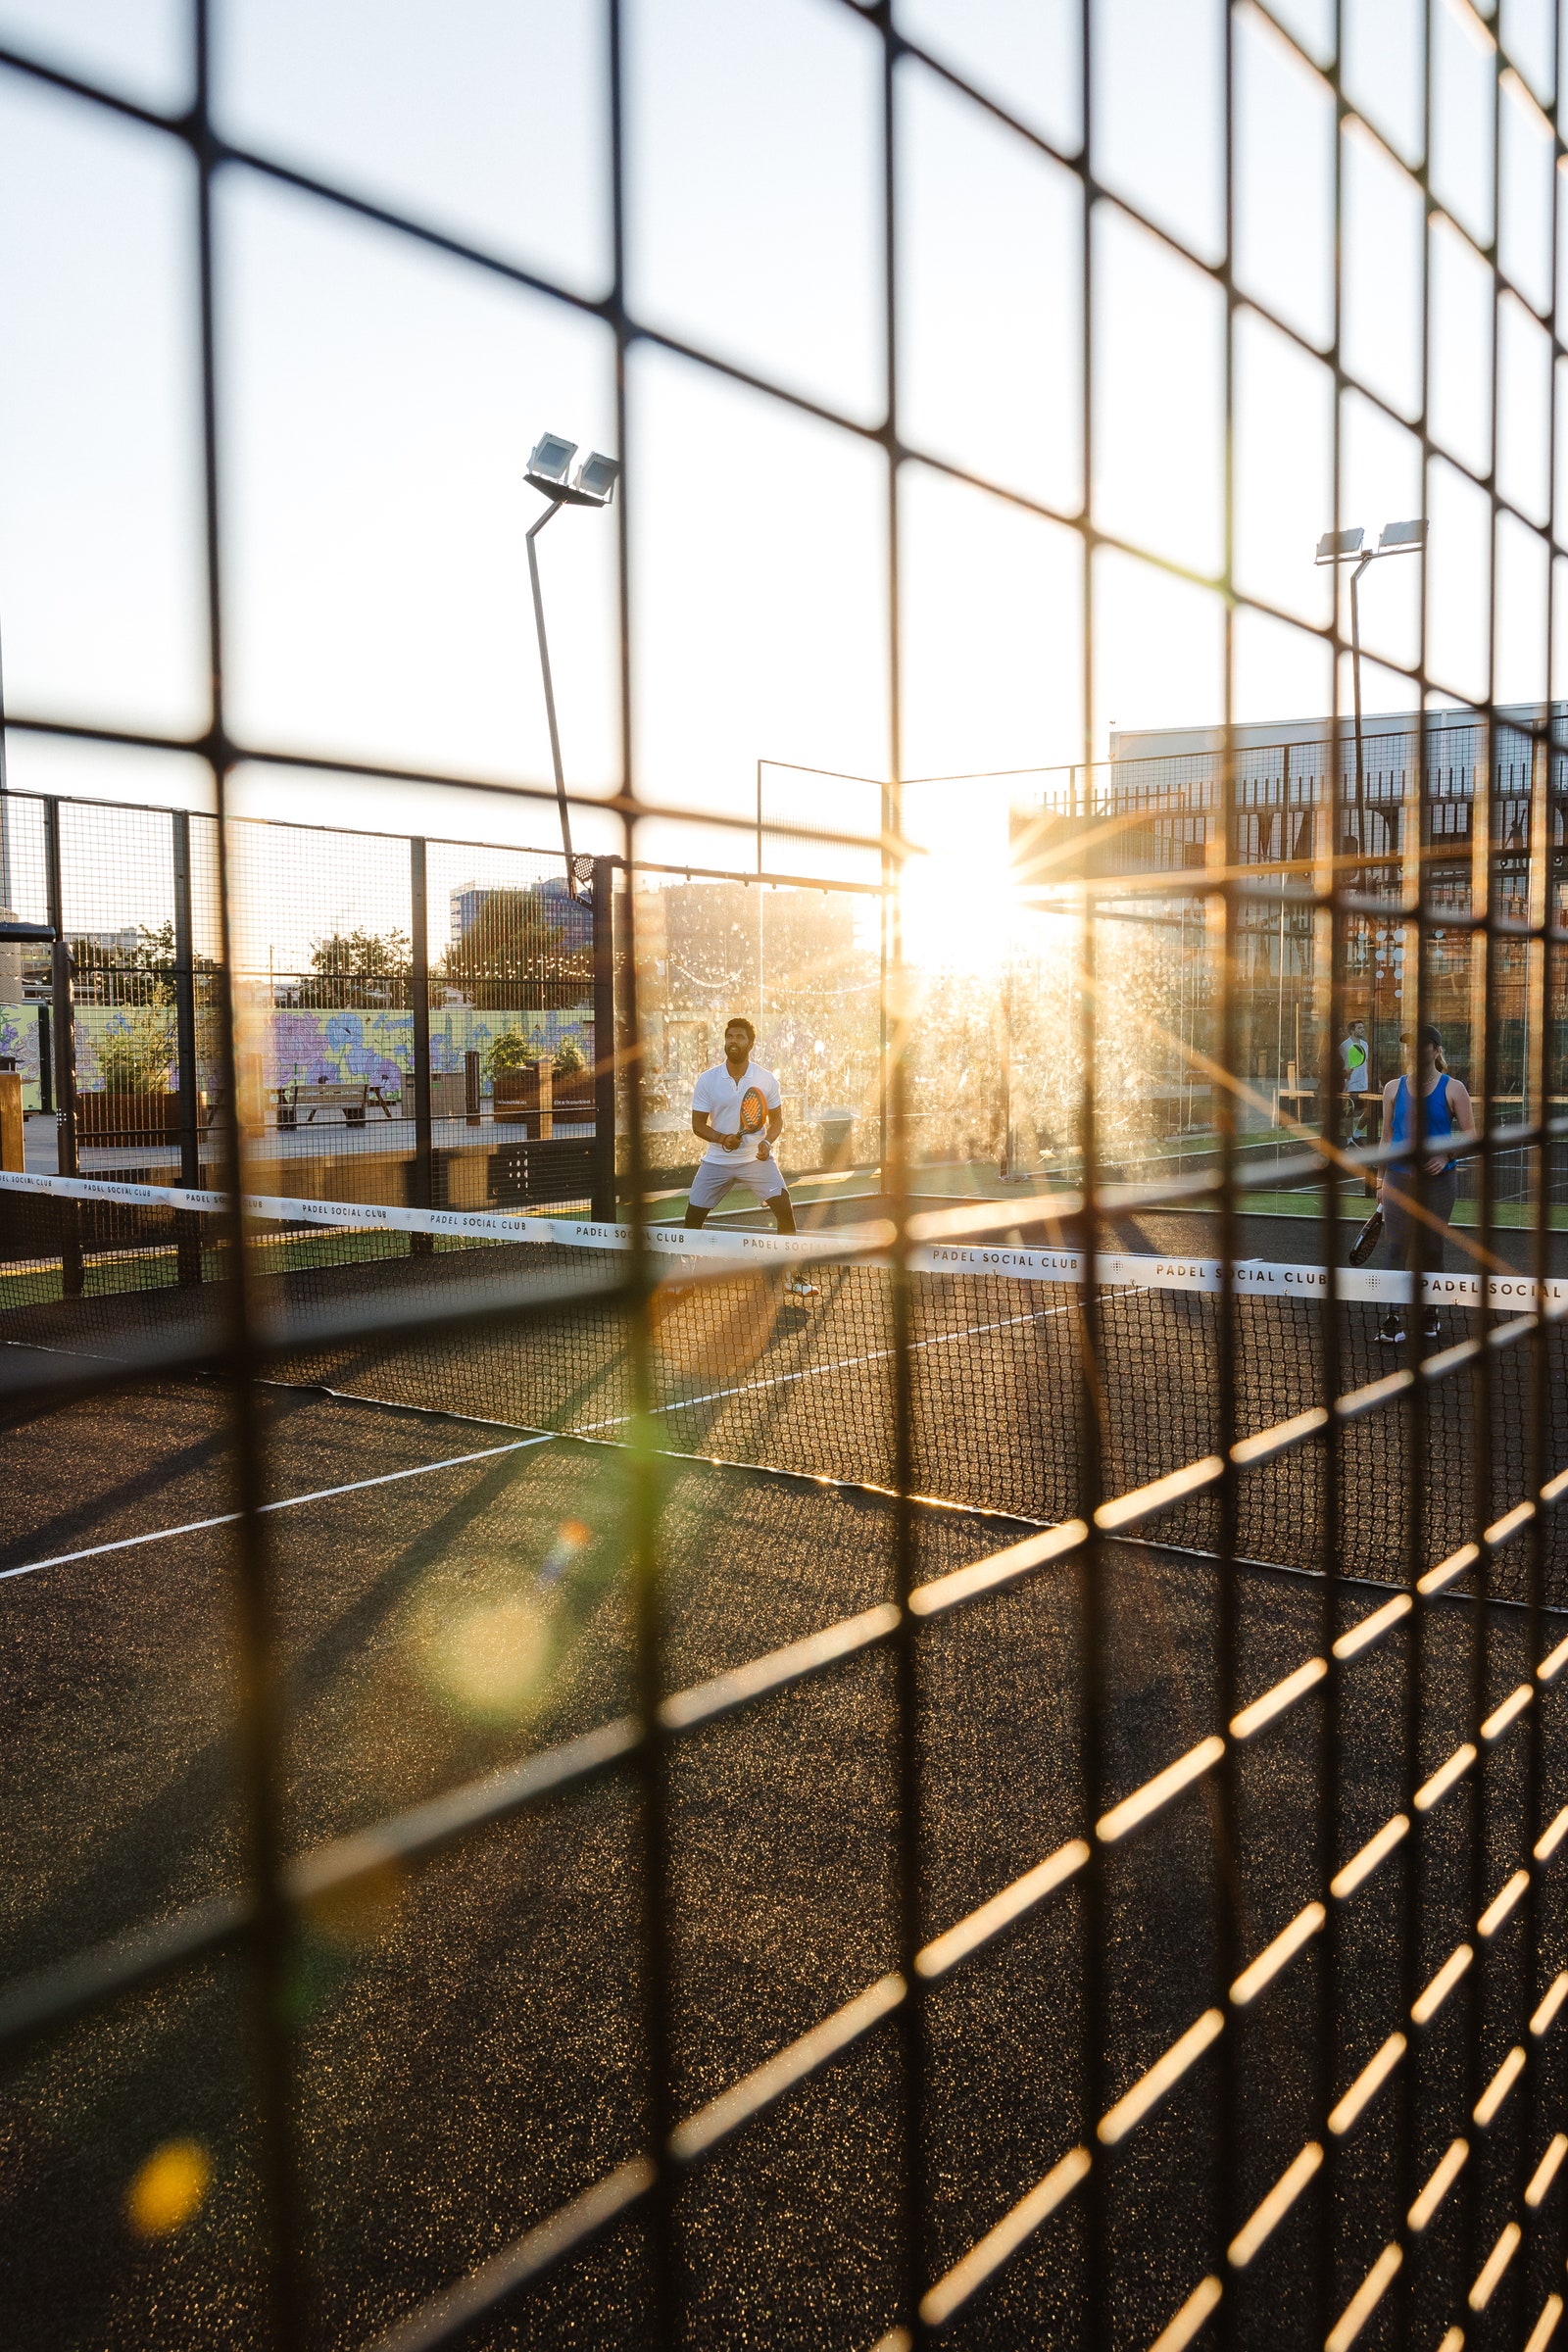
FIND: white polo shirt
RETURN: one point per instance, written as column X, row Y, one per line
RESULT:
column 720, row 1094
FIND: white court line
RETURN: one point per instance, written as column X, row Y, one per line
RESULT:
column 844, row 1363
column 289, row 1502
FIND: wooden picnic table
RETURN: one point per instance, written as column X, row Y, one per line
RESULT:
column 352, row 1097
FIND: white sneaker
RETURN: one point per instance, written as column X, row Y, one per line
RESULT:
column 795, row 1285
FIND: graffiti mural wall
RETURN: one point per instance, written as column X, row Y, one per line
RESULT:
column 378, row 1046
column 310, row 1046
column 19, row 1045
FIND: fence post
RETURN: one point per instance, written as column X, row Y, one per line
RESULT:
column 884, row 917
column 420, row 1244
column 64, row 1042
column 190, row 1154
column 188, row 1247
column 604, row 1176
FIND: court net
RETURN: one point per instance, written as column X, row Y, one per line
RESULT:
column 779, row 1352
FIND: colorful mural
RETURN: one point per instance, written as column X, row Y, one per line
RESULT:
column 375, row 1046
column 379, row 1046
column 19, row 1045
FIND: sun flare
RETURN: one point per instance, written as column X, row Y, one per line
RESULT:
column 959, row 910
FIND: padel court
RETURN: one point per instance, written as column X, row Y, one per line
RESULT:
column 455, row 1629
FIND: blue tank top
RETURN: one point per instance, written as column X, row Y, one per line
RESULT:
column 1439, row 1118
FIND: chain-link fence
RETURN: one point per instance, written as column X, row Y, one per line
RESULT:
column 990, row 1768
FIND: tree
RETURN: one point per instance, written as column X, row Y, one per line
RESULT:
column 518, row 953
column 153, row 951
column 360, row 968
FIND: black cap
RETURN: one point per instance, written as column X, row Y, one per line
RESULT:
column 1427, row 1035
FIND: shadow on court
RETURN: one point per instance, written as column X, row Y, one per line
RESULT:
column 468, row 2041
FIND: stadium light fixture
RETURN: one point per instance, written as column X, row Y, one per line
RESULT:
column 551, row 461
column 1350, row 547
column 596, row 477
column 549, row 468
column 549, row 471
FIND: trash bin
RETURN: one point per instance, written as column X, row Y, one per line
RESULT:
column 838, row 1127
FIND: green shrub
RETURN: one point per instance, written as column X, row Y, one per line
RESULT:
column 513, row 1049
column 136, row 1058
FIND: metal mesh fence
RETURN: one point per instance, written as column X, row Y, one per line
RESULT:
column 1100, row 1930
column 337, row 1011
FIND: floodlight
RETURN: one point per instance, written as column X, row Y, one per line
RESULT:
column 1347, row 547
column 552, row 455
column 594, row 485
column 597, row 476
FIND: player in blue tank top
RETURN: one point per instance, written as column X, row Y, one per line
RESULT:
column 1414, row 1228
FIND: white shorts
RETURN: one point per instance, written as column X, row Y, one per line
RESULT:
column 713, row 1179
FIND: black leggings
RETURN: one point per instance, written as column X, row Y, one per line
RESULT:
column 1412, row 1241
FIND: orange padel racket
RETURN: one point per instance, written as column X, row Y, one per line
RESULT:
column 754, row 1117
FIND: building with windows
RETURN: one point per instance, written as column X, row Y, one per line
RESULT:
column 1471, row 807
column 569, row 918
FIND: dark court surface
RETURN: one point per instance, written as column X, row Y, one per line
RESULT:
column 467, row 2045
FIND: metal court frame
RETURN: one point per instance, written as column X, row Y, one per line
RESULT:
column 261, row 1920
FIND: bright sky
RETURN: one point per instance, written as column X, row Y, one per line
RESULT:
column 378, row 400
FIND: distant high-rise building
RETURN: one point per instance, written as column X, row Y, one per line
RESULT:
column 567, row 916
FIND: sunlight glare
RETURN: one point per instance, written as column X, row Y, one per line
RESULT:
column 957, row 902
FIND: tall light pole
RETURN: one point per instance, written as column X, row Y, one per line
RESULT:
column 1347, row 547
column 594, row 485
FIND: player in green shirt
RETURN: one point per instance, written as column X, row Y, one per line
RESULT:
column 1354, row 1055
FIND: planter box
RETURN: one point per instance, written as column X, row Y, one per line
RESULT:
column 526, row 1096
column 534, row 1094
column 117, row 1119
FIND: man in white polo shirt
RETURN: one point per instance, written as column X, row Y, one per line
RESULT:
column 733, row 1156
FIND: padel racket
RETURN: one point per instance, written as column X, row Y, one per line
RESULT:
column 754, row 1117
column 1367, row 1239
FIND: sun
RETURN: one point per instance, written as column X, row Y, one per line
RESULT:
column 957, row 900
column 959, row 910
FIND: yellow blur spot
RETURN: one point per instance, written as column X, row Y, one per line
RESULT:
column 167, row 2190
column 491, row 1662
